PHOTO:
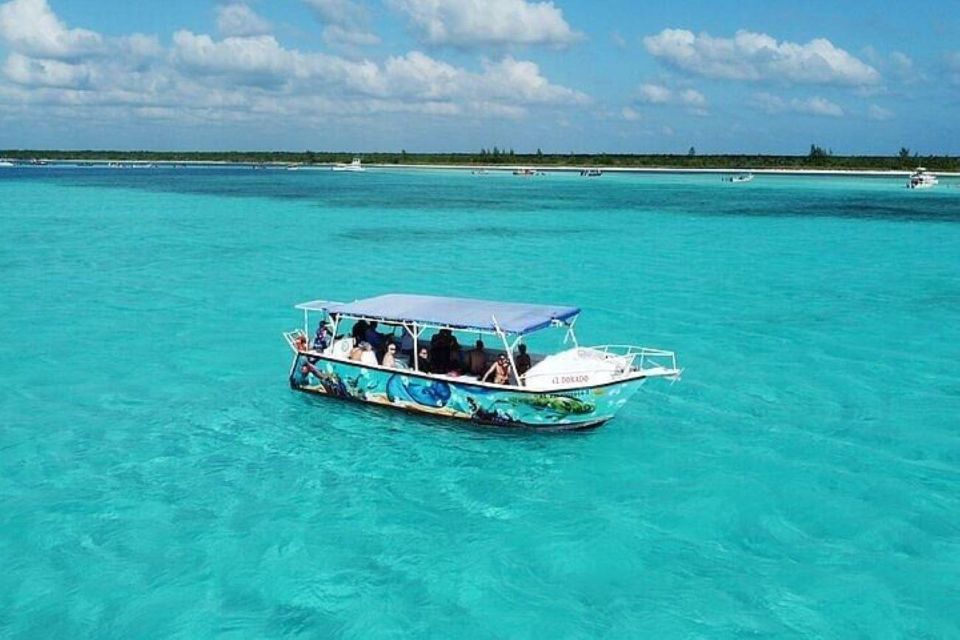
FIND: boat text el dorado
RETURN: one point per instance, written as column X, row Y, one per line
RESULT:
column 426, row 354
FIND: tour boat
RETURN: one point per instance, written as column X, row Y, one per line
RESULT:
column 920, row 179
column 353, row 166
column 575, row 387
column 591, row 173
column 6, row 163
column 740, row 177
column 526, row 172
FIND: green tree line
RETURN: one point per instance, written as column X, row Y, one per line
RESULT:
column 817, row 158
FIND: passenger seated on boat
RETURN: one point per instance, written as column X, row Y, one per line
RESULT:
column 367, row 356
column 304, row 375
column 423, row 361
column 390, row 356
column 359, row 331
column 440, row 345
column 522, row 360
column 455, row 351
column 477, row 360
column 454, row 368
column 308, row 374
column 406, row 344
column 500, row 370
column 356, row 352
column 375, row 338
column 321, row 340
column 300, row 342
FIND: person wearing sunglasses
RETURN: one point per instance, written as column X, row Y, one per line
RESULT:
column 390, row 356
column 500, row 370
column 423, row 361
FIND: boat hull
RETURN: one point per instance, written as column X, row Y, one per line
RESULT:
column 450, row 397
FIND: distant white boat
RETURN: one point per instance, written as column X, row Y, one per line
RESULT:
column 353, row 166
column 740, row 177
column 591, row 173
column 527, row 172
column 6, row 163
column 920, row 179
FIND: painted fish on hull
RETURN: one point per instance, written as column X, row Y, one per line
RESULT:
column 560, row 404
column 428, row 393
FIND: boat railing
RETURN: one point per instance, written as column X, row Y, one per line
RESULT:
column 640, row 358
column 292, row 336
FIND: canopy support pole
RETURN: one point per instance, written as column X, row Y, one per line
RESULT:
column 416, row 345
column 333, row 331
column 571, row 334
column 507, row 348
column 521, row 380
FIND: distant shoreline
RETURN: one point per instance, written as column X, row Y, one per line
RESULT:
column 895, row 173
column 492, row 168
column 817, row 162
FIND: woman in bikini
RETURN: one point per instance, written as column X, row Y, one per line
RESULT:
column 500, row 370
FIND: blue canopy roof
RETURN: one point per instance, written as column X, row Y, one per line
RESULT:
column 459, row 313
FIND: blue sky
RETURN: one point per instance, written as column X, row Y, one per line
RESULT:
column 457, row 75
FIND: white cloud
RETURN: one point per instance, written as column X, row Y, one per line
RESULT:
column 900, row 66
column 815, row 105
column 30, row 27
column 655, row 94
column 238, row 19
column 255, row 58
column 692, row 98
column 630, row 114
column 336, row 35
column 522, row 79
column 261, row 61
column 45, row 73
column 140, row 46
column 420, row 75
column 876, row 112
column 200, row 78
column 345, row 22
column 658, row 94
column 758, row 57
column 471, row 23
column 818, row 107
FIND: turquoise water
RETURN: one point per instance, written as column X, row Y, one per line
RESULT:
column 158, row 478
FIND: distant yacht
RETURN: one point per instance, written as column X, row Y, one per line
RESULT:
column 920, row 179
column 591, row 173
column 6, row 163
column 353, row 166
column 526, row 172
column 740, row 177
